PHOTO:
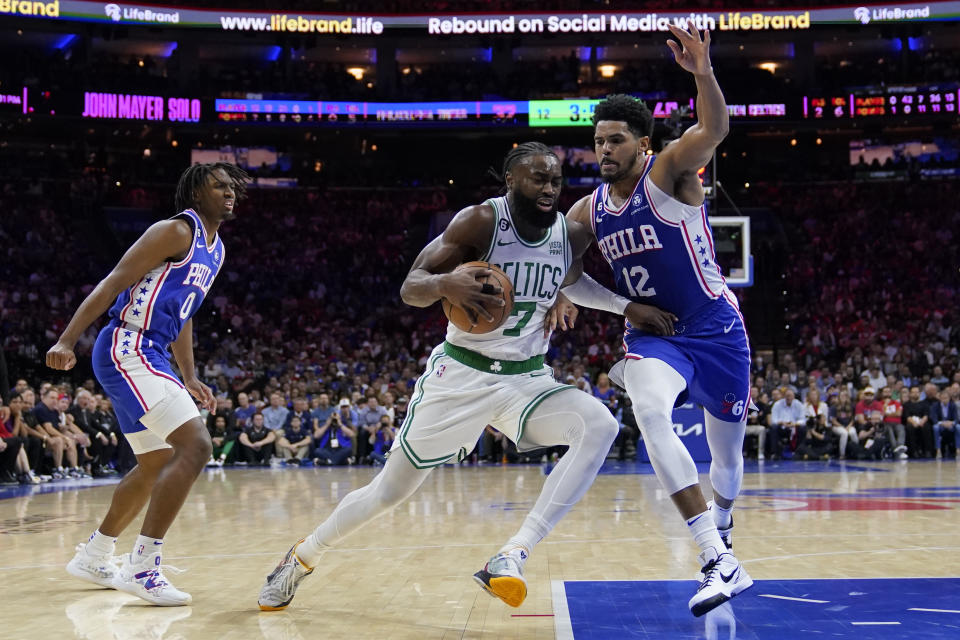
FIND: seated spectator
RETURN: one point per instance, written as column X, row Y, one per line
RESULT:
column 787, row 421
column 244, row 411
column 224, row 439
column 818, row 441
column 295, row 445
column 872, row 438
column 321, row 410
column 605, row 393
column 758, row 420
column 275, row 416
column 333, row 440
column 14, row 466
column 893, row 423
column 841, row 422
column 256, row 442
column 103, row 444
column 938, row 378
column 301, row 409
column 18, row 423
column 368, row 417
column 48, row 422
column 919, row 429
column 124, row 459
column 943, row 416
column 866, row 406
column 382, row 440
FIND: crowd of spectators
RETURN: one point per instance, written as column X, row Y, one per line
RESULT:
column 870, row 296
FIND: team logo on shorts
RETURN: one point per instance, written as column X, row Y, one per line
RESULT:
column 440, row 370
column 731, row 405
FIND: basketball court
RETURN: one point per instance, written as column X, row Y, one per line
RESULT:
column 837, row 550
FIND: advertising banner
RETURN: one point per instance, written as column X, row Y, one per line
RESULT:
column 450, row 25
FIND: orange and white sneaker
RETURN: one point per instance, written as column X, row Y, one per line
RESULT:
column 502, row 577
column 281, row 585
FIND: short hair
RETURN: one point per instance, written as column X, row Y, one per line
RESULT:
column 623, row 108
column 525, row 150
column 195, row 177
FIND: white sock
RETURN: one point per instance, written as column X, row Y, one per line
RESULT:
column 100, row 545
column 721, row 516
column 145, row 547
column 311, row 550
column 519, row 552
column 705, row 534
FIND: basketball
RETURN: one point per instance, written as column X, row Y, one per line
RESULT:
column 497, row 278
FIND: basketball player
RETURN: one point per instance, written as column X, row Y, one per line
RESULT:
column 152, row 295
column 497, row 378
column 651, row 227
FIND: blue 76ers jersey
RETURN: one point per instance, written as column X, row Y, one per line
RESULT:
column 660, row 250
column 165, row 298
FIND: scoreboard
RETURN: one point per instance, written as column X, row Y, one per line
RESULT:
column 895, row 101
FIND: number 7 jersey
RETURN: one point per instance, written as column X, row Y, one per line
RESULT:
column 661, row 250
column 161, row 302
column 537, row 270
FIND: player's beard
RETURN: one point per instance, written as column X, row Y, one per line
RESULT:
column 623, row 171
column 526, row 209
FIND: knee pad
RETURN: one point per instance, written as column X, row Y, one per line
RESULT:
column 671, row 460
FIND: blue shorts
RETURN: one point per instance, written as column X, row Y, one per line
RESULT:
column 135, row 373
column 712, row 353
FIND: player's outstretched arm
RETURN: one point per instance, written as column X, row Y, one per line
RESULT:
column 163, row 240
column 695, row 147
column 467, row 237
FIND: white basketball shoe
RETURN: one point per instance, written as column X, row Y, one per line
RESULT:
column 145, row 580
column 723, row 578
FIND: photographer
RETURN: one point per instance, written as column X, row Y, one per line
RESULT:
column 381, row 441
column 334, row 439
column 818, row 442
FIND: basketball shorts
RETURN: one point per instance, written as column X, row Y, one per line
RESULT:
column 460, row 393
column 135, row 373
column 712, row 353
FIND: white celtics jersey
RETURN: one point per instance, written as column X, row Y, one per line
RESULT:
column 537, row 271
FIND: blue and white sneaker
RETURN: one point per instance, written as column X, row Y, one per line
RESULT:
column 502, row 577
column 723, row 578
column 145, row 580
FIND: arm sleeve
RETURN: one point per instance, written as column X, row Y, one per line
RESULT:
column 587, row 292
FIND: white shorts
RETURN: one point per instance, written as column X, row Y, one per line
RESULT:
column 453, row 402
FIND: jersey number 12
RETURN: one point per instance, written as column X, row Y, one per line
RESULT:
column 639, row 291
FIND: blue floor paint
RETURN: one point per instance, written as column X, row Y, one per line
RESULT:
column 658, row 609
column 23, row 490
column 630, row 467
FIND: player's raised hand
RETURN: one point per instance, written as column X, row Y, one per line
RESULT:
column 651, row 319
column 693, row 52
column 562, row 314
column 202, row 393
column 60, row 356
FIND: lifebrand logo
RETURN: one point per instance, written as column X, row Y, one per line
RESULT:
column 17, row 8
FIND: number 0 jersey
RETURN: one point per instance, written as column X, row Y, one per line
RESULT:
column 536, row 270
column 660, row 249
column 165, row 298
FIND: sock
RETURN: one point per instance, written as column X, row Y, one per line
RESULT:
column 705, row 534
column 100, row 545
column 533, row 530
column 520, row 552
column 311, row 550
column 721, row 516
column 145, row 547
